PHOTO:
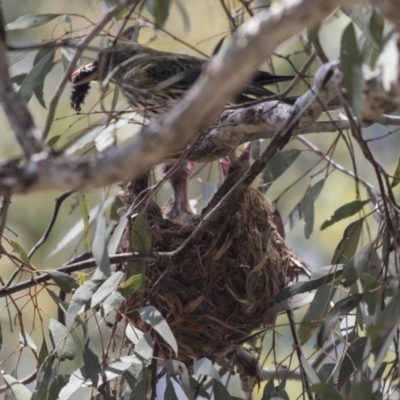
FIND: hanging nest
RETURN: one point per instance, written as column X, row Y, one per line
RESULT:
column 218, row 294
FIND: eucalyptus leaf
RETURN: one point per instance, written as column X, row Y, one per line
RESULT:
column 62, row 340
column 30, row 21
column 345, row 211
column 351, row 63
column 154, row 318
column 19, row 390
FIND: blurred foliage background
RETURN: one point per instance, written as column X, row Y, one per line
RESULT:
column 206, row 24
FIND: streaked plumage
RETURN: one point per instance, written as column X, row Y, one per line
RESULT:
column 153, row 80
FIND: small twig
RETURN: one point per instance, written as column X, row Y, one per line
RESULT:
column 78, row 266
column 299, row 353
column 228, row 14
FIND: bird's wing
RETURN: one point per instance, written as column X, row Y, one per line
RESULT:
column 164, row 71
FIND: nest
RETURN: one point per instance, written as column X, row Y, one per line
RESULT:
column 218, row 294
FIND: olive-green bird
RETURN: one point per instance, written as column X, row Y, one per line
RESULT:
column 153, row 80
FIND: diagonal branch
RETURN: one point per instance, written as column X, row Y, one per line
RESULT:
column 222, row 79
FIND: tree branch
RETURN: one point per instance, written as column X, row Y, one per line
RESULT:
column 21, row 121
column 222, row 79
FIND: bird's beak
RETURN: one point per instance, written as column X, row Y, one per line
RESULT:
column 85, row 74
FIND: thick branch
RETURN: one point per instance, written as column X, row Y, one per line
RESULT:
column 15, row 110
column 222, row 79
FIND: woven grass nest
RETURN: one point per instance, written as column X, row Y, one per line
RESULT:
column 218, row 294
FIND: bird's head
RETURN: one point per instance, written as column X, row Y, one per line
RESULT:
column 115, row 60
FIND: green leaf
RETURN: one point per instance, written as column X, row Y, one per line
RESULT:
column 67, row 54
column 38, row 89
column 307, row 286
column 43, row 379
column 396, row 176
column 351, row 63
column 44, row 352
column 56, row 385
column 99, row 248
column 115, row 100
column 140, row 242
column 62, row 340
column 364, row 390
column 76, row 380
column 154, row 318
column 53, row 140
column 169, row 393
column 357, row 265
column 26, row 340
column 279, row 163
column 376, row 27
column 85, row 210
column 352, row 360
column 342, row 307
column 220, row 391
column 131, row 285
column 63, row 281
column 204, row 366
column 20, row 391
column 159, row 9
column 80, row 300
column 347, row 246
column 16, row 56
column 179, row 371
column 116, row 298
column 34, row 81
column 345, row 211
column 307, row 206
column 91, row 361
column 30, row 21
column 18, row 248
column 316, row 312
column 18, row 79
column 326, row 392
column 107, row 288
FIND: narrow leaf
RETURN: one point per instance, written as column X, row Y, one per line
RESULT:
column 36, row 76
column 19, row 390
column 307, row 206
column 107, row 288
column 347, row 246
column 220, row 391
column 30, row 21
column 43, row 379
column 62, row 340
column 351, row 63
column 18, row 248
column 345, row 211
column 64, row 281
column 279, row 163
column 326, row 392
column 342, row 307
column 80, row 299
column 154, row 318
column 357, row 265
column 85, row 210
column 396, row 176
column 99, row 248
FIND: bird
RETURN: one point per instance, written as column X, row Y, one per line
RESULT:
column 178, row 207
column 152, row 80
